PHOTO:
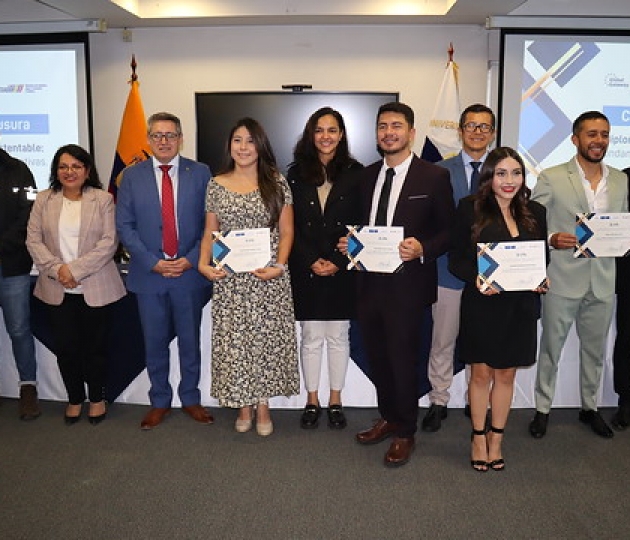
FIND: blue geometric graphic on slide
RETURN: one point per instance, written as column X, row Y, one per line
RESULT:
column 563, row 60
column 543, row 125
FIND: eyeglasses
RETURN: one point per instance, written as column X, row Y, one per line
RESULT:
column 157, row 137
column 471, row 127
column 75, row 167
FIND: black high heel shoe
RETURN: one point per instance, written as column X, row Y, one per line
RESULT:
column 71, row 420
column 497, row 464
column 478, row 465
column 95, row 420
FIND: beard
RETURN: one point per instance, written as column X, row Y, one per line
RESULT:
column 584, row 154
column 391, row 150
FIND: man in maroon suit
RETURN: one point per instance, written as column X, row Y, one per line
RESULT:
column 401, row 190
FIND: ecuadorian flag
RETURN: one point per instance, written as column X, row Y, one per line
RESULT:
column 132, row 146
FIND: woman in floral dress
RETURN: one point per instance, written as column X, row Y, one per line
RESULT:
column 254, row 352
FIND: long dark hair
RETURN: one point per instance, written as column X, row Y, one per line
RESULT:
column 305, row 154
column 81, row 155
column 486, row 208
column 268, row 185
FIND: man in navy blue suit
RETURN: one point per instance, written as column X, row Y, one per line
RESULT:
column 163, row 272
column 476, row 131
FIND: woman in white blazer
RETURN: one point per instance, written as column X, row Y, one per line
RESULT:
column 72, row 239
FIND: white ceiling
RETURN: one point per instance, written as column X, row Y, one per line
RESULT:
column 138, row 13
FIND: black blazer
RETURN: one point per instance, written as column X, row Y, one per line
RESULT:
column 16, row 184
column 425, row 210
column 316, row 236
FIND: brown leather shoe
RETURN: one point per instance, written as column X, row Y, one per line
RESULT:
column 154, row 417
column 399, row 451
column 198, row 414
column 377, row 433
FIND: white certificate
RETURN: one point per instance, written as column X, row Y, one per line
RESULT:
column 602, row 235
column 374, row 249
column 512, row 266
column 241, row 250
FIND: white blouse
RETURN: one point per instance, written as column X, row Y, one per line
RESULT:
column 69, row 228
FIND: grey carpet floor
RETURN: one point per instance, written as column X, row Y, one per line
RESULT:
column 188, row 481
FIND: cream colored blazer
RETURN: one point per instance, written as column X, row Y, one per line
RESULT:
column 94, row 269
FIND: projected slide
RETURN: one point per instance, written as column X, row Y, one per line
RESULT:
column 549, row 81
column 40, row 105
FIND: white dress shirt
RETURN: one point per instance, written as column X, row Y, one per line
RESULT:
column 400, row 173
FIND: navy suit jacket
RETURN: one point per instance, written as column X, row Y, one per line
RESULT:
column 459, row 183
column 425, row 210
column 139, row 224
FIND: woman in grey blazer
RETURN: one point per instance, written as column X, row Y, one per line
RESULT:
column 72, row 239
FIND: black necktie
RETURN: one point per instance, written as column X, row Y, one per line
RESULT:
column 383, row 200
column 474, row 177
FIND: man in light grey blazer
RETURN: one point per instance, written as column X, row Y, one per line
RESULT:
column 582, row 290
column 476, row 130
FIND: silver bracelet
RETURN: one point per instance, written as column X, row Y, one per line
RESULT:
column 282, row 267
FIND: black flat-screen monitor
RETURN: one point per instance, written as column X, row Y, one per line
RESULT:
column 283, row 116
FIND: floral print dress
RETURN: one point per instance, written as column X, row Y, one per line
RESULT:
column 254, row 347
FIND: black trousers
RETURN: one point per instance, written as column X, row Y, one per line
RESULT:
column 391, row 330
column 80, row 334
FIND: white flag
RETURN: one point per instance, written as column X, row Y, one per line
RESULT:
column 442, row 135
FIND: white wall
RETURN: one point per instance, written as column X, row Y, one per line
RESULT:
column 174, row 63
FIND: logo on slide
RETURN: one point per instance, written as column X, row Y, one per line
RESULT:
column 613, row 81
column 22, row 88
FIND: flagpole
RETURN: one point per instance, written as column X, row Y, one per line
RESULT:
column 134, row 76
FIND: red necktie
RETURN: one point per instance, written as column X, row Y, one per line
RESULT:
column 169, row 231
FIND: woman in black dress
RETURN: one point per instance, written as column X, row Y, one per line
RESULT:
column 324, row 182
column 498, row 331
